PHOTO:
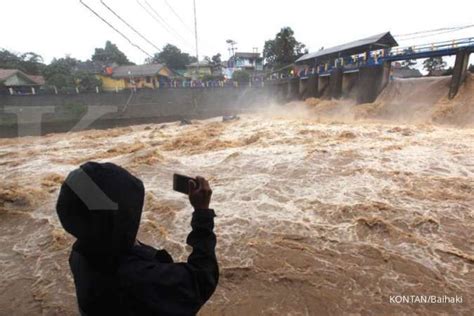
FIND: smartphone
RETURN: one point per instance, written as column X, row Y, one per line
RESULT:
column 181, row 183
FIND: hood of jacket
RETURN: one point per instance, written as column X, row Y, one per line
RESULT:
column 101, row 205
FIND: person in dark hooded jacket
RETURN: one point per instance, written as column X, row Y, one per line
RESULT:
column 114, row 274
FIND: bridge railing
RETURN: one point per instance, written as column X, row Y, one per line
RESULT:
column 414, row 49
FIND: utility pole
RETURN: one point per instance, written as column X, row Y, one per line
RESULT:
column 196, row 39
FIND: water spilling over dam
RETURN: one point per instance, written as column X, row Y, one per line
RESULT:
column 323, row 208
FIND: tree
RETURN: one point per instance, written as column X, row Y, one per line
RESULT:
column 241, row 76
column 283, row 50
column 172, row 57
column 216, row 63
column 30, row 63
column 110, row 55
column 471, row 68
column 9, row 60
column 434, row 64
column 61, row 73
column 87, row 81
column 216, row 59
column 408, row 63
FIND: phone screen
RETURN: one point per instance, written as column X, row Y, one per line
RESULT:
column 181, row 183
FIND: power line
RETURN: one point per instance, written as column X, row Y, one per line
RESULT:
column 154, row 17
column 112, row 27
column 455, row 28
column 439, row 32
column 161, row 21
column 163, row 25
column 164, row 21
column 178, row 16
column 188, row 28
column 131, row 27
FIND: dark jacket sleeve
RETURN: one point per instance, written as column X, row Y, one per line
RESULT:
column 203, row 257
column 181, row 288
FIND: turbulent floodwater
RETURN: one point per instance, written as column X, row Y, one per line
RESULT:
column 314, row 216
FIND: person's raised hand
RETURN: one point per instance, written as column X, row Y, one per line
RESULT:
column 200, row 193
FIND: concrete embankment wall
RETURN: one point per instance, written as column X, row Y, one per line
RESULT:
column 60, row 113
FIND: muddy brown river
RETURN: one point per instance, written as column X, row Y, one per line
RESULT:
column 315, row 216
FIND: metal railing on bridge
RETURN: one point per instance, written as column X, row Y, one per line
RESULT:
column 430, row 50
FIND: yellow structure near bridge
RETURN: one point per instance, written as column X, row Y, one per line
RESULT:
column 129, row 77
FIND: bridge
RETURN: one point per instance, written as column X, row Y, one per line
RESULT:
column 367, row 63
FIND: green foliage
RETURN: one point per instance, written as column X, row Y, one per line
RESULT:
column 283, row 50
column 434, row 63
column 216, row 59
column 471, row 68
column 408, row 63
column 9, row 60
column 87, row 81
column 216, row 64
column 172, row 57
column 110, row 55
column 241, row 76
column 61, row 74
column 30, row 63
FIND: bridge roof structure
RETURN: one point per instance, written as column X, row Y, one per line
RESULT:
column 379, row 41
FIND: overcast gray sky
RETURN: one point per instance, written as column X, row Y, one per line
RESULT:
column 54, row 28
